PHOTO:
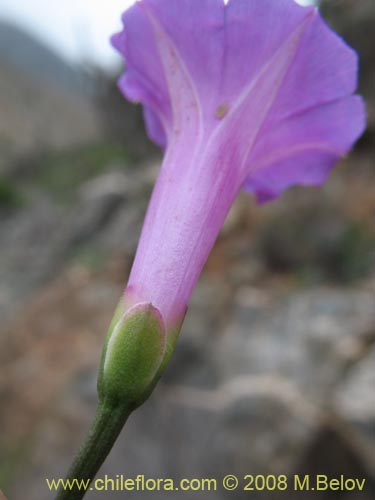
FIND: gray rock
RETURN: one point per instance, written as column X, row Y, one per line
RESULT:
column 354, row 400
column 299, row 338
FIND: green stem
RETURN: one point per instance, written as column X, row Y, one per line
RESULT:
column 108, row 423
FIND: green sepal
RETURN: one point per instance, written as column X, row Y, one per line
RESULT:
column 132, row 356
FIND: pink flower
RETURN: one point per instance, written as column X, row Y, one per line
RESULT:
column 255, row 94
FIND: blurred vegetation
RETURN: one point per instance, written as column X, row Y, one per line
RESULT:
column 355, row 252
column 122, row 121
column 10, row 196
column 90, row 258
column 318, row 247
column 61, row 173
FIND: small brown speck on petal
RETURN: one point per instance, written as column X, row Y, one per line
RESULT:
column 222, row 110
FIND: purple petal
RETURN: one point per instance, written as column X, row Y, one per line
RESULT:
column 254, row 31
column 144, row 80
column 325, row 68
column 154, row 127
column 303, row 168
column 195, row 29
column 190, row 61
column 303, row 148
column 254, row 94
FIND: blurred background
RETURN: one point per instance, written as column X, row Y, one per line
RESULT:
column 274, row 369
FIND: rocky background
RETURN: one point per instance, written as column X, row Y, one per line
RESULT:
column 274, row 369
